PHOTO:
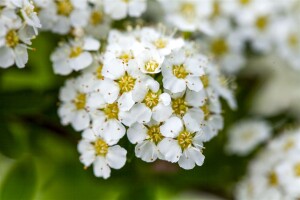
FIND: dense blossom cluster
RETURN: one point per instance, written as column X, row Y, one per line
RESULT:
column 156, row 89
column 18, row 26
column 275, row 173
column 230, row 25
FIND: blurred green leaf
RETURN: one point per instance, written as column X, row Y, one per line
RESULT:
column 20, row 182
column 7, row 141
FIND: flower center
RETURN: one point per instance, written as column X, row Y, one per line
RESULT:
column 273, row 179
column 179, row 106
column 293, row 40
column 219, row 47
column 244, row 2
column 75, row 52
column 205, row 80
column 126, row 83
column 12, row 39
column 297, row 169
column 29, row 10
column 185, row 139
column 125, row 57
column 216, row 9
column 111, row 111
column 206, row 111
column 179, row 71
column 289, row 144
column 80, row 101
column 154, row 134
column 151, row 99
column 188, row 11
column 151, row 66
column 261, row 23
column 64, row 7
column 96, row 18
column 160, row 43
column 101, row 147
column 99, row 72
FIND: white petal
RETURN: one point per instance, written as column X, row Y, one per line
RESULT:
column 95, row 100
column 87, row 158
column 165, row 99
column 113, row 130
column 137, row 133
column 116, row 157
column 147, row 151
column 91, row 44
column 125, row 102
column 101, row 168
column 193, row 119
column 21, row 56
column 185, row 161
column 113, row 69
column 110, row 90
column 161, row 112
column 173, row 84
column 195, row 99
column 196, row 155
column 81, row 120
column 170, row 149
column 89, row 135
column 6, row 57
column 172, row 127
column 82, row 61
column 194, row 83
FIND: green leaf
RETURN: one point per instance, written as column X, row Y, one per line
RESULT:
column 7, row 141
column 20, row 182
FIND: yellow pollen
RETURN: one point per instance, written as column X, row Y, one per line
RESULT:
column 297, row 169
column 205, row 80
column 75, row 52
column 293, row 40
column 185, row 139
column 29, row 10
column 111, row 111
column 216, row 9
column 160, row 43
column 12, row 39
column 80, row 101
column 288, row 145
column 101, row 147
column 151, row 66
column 245, row 2
column 273, row 179
column 151, row 99
column 261, row 23
column 219, row 47
column 99, row 72
column 188, row 11
column 154, row 134
column 179, row 106
column 179, row 71
column 126, row 83
column 96, row 18
column 64, row 7
column 125, row 57
column 206, row 111
column 126, row 1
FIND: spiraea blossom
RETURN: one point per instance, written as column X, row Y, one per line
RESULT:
column 275, row 173
column 155, row 88
column 245, row 135
column 18, row 26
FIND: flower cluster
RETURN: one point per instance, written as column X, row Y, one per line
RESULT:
column 93, row 17
column 232, row 25
column 156, row 89
column 18, row 26
column 275, row 174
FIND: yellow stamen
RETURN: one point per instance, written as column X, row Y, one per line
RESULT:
column 75, row 52
column 125, row 57
column 273, row 179
column 112, row 111
column 99, row 72
column 12, row 39
column 96, row 18
column 101, row 147
column 297, row 169
column 179, row 71
column 245, row 2
column 205, row 80
column 64, row 7
column 188, row 11
column 179, row 106
column 155, row 134
column 160, row 43
column 219, row 47
column 151, row 99
column 261, row 23
column 80, row 101
column 151, row 66
column 126, row 83
column 185, row 139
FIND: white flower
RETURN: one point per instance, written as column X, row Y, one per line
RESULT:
column 245, row 135
column 28, row 13
column 59, row 16
column 186, row 15
column 180, row 144
column 14, row 39
column 181, row 71
column 74, row 56
column 146, row 137
column 121, row 8
column 72, row 109
column 103, row 154
column 275, row 173
column 154, row 39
